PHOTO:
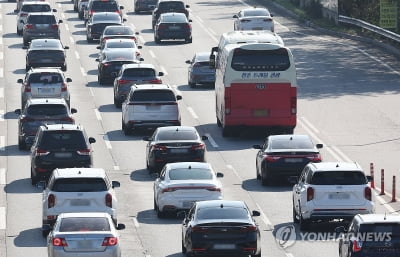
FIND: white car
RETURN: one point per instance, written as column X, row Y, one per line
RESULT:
column 181, row 184
column 254, row 19
column 29, row 7
column 78, row 190
column 328, row 191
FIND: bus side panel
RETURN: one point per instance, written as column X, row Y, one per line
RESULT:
column 261, row 104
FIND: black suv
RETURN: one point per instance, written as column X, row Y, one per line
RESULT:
column 59, row 146
column 164, row 6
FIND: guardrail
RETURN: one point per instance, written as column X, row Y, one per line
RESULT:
column 383, row 32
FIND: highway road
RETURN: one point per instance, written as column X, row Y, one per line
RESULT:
column 348, row 100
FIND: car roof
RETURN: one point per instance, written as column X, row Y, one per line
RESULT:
column 151, row 87
column 84, row 214
column 44, row 69
column 118, row 26
column 172, row 14
column 119, row 40
column 35, row 3
column 219, row 203
column 182, row 165
column 138, row 65
column 33, row 101
column 336, row 166
column 106, row 14
column 64, row 127
column 176, row 128
column 288, row 137
column 79, row 173
column 378, row 218
column 121, row 54
column 248, row 36
column 45, row 43
column 170, row 1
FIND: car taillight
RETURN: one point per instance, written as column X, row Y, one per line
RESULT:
column 54, row 26
column 245, row 20
column 106, row 64
column 268, row 19
column 368, row 193
column 199, row 229
column 51, row 201
column 159, row 148
column 28, row 26
column 214, row 189
column 357, row 245
column 315, row 158
column 108, row 200
column 23, row 15
column 59, row 241
column 168, row 189
column 106, row 38
column 69, row 119
column 197, row 64
column 83, row 152
column 137, row 53
column 162, row 26
column 109, row 241
column 188, row 26
column 64, row 87
column 25, row 119
column 123, row 81
column 310, row 194
column 271, row 158
column 249, row 228
column 91, row 12
column 155, row 81
column 227, row 105
column 293, row 105
column 27, row 87
column 198, row 146
column 41, row 152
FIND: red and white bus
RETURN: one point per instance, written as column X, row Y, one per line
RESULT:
column 256, row 86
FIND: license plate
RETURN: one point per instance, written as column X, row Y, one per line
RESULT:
column 152, row 107
column 46, row 60
column 260, row 113
column 42, row 90
column 224, row 246
column 80, row 202
column 83, row 244
column 258, row 28
column 178, row 150
column 339, row 196
column 187, row 204
column 293, row 160
column 173, row 27
column 63, row 155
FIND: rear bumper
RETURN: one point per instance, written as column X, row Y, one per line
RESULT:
column 151, row 124
column 251, row 121
column 242, row 246
column 331, row 214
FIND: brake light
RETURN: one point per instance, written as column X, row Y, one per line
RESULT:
column 269, row 19
column 249, row 228
column 271, row 158
column 310, row 194
column 199, row 229
column 69, row 119
column 188, row 26
column 54, row 26
column 27, row 87
column 59, row 241
column 168, row 190
column 25, row 119
column 293, row 105
column 159, row 148
column 106, row 38
column 122, row 81
column 109, row 241
column 357, row 245
column 64, row 87
column 214, row 189
column 91, row 12
column 244, row 20
column 162, row 26
column 315, row 158
column 41, row 152
column 84, row 152
column 106, row 64
column 198, row 147
column 51, row 201
column 368, row 193
column 155, row 81
column 108, row 200
column 28, row 26
column 23, row 14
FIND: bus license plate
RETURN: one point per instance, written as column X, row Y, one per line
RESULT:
column 260, row 113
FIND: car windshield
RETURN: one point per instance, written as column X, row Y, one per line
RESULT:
column 123, row 44
column 292, row 143
column 176, row 135
column 74, row 224
column 41, row 19
column 63, row 139
column 79, row 185
column 192, row 173
column 139, row 72
column 36, row 8
column 45, row 44
column 174, row 18
column 45, row 77
column 257, row 12
column 121, row 30
column 338, row 178
column 153, row 96
column 260, row 60
column 221, row 213
column 392, row 228
column 100, row 6
column 46, row 110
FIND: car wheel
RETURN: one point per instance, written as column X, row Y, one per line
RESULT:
column 89, row 39
column 34, row 179
column 100, row 79
column 304, row 224
column 154, row 204
column 19, row 32
column 127, row 130
column 117, row 103
column 258, row 176
column 189, row 40
column 21, row 144
column 80, row 15
column 157, row 40
column 160, row 214
column 183, row 247
column 256, row 255
column 191, row 84
column 149, row 168
column 64, row 67
column 219, row 124
column 26, row 42
column 265, row 179
column 295, row 218
column 45, row 233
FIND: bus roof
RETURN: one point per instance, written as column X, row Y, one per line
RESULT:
column 251, row 36
column 254, row 46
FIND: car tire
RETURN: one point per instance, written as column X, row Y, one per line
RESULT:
column 256, row 255
column 117, row 103
column 160, row 214
column 80, row 15
column 295, row 219
column 191, row 84
column 21, row 144
column 184, row 250
column 100, row 80
column 189, row 40
column 265, row 180
column 19, row 32
column 64, row 67
column 26, row 42
column 89, row 40
column 304, row 224
column 258, row 176
column 127, row 131
column 157, row 40
column 34, row 179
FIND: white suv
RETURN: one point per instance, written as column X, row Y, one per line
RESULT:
column 327, row 191
column 78, row 190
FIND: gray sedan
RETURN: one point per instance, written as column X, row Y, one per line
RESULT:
column 199, row 71
column 84, row 234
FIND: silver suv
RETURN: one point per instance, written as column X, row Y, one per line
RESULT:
column 40, row 25
column 30, row 7
column 44, row 83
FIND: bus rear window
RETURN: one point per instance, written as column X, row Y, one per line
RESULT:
column 260, row 60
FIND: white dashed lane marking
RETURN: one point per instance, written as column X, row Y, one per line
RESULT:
column 3, row 176
column 211, row 140
column 77, row 55
column 2, row 143
column 190, row 109
column 2, row 217
column 163, row 70
column 107, row 142
column 152, row 54
column 1, row 92
column 1, row 115
column 98, row 115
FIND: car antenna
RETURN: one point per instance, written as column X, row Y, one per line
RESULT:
column 190, row 167
column 291, row 138
column 79, row 172
column 337, row 165
column 384, row 217
column 177, row 129
column 222, row 205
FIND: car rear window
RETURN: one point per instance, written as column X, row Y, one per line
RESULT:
column 121, row 44
column 392, row 228
column 294, row 143
column 45, row 78
column 260, row 60
column 46, row 110
column 139, row 72
column 42, row 19
column 63, row 139
column 153, row 96
column 221, row 213
column 36, row 8
column 338, row 178
column 187, row 174
column 256, row 13
column 122, row 30
column 176, row 135
column 79, row 185
column 84, row 224
column 174, row 18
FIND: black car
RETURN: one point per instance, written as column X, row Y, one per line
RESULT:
column 59, row 146
column 144, row 5
column 220, row 227
column 165, row 6
column 110, row 63
column 38, row 112
column 99, row 21
column 96, row 6
column 118, row 31
column 174, row 144
column 46, row 53
column 282, row 156
column 173, row 26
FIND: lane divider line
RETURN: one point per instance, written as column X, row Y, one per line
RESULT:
column 116, row 167
column 264, row 218
column 66, row 27
column 2, row 217
column 1, row 92
column 107, row 142
column 72, row 40
column 211, row 140
column 152, row 54
column 2, row 143
column 2, row 115
column 191, row 111
column 3, row 180
column 98, row 115
column 163, row 70
column 135, row 222
column 77, row 55
column 83, row 71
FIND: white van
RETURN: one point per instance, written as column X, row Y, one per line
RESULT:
column 149, row 106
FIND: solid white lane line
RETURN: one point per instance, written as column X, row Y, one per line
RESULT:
column 59, row 5
column 1, row 40
column 1, row 27
column 3, row 176
column 77, row 55
column 135, row 222
column 163, row 70
column 264, row 218
column 212, row 31
column 200, row 19
column 190, row 109
column 2, row 217
column 142, row 40
column 91, row 92
column 289, row 255
column 1, row 56
column 234, row 171
column 1, row 92
column 311, row 126
column 83, row 71
column 98, row 115
column 385, row 203
column 1, row 73
column 1, row 115
column 71, row 39
column 378, row 60
column 107, row 142
column 116, row 167
column 211, row 140
column 66, row 26
column 2, row 143
column 152, row 54
column 347, row 159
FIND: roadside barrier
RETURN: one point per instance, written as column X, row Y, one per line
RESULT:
column 382, row 182
column 394, row 189
column 371, row 169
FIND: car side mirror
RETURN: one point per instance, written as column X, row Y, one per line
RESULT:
column 20, row 81
column 97, row 60
column 293, row 179
column 204, row 137
column 73, row 110
column 161, row 73
column 188, row 61
column 46, row 228
column 69, row 80
column 16, row 11
column 235, row 16
column 181, row 215
column 139, row 47
column 255, row 213
column 123, row 20
column 60, row 21
column 257, row 146
column 18, row 111
column 92, row 140
column 369, row 178
column 66, row 47
column 187, row 6
column 190, row 20
column 120, row 226
column 137, row 33
column 115, row 184
column 319, row 146
column 54, row 10
column 220, row 175
column 178, row 97
column 141, row 59
column 98, row 47
column 147, row 138
column 340, row 229
column 121, row 7
column 271, row 15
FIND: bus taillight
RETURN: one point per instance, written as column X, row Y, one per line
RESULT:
column 293, row 105
column 227, row 105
